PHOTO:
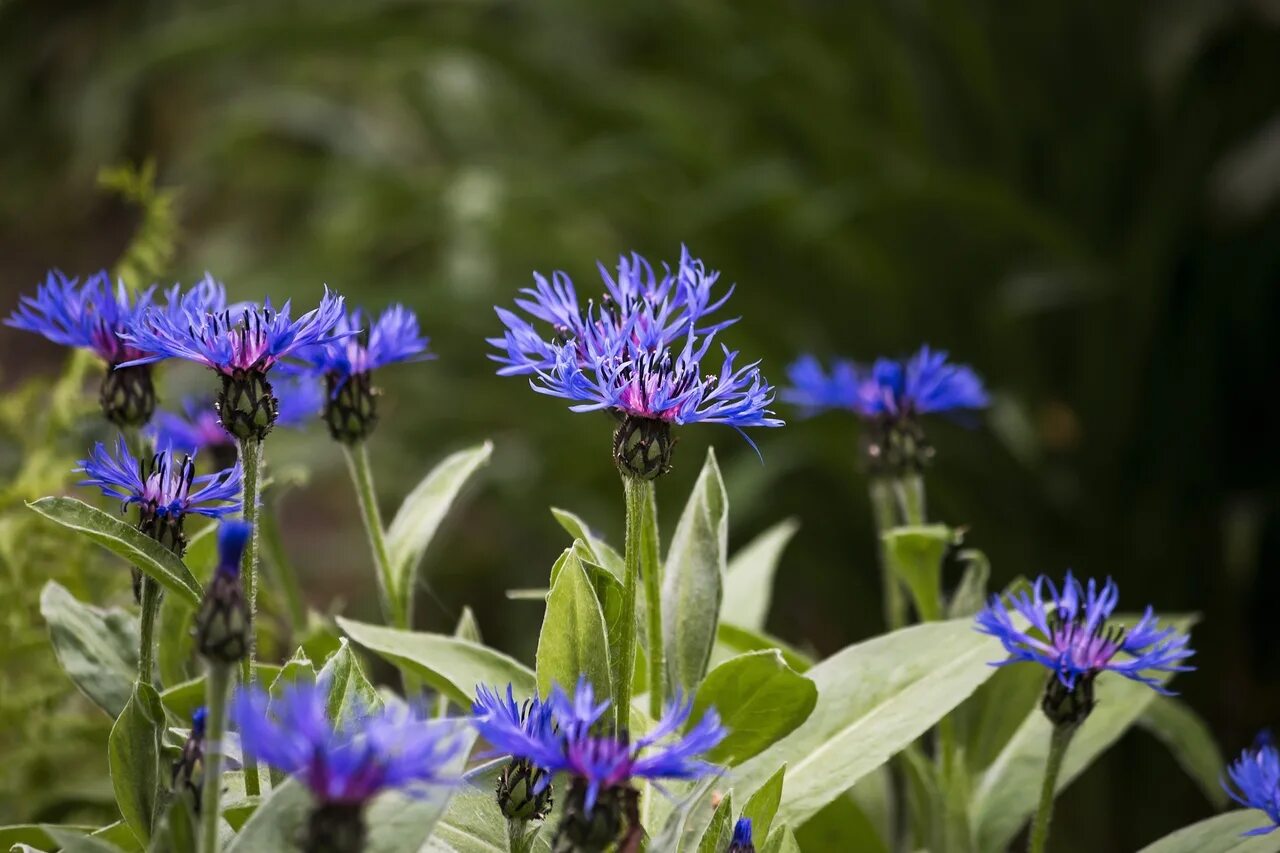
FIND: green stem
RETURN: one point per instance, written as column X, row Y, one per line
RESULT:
column 910, row 493
column 884, row 511
column 1058, row 743
column 217, row 684
column 519, row 838
column 147, row 646
column 642, row 566
column 399, row 614
column 251, row 463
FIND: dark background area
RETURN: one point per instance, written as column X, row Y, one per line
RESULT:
column 1079, row 197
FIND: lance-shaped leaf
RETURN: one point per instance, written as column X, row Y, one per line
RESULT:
column 693, row 579
column 1220, row 834
column 449, row 664
column 98, row 648
column 874, row 698
column 419, row 518
column 133, row 755
column 748, row 587
column 350, row 693
column 155, row 560
column 1188, row 738
column 602, row 553
column 574, row 641
column 763, row 804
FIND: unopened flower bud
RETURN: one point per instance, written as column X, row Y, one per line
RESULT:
column 351, row 407
column 128, row 395
column 223, row 623
column 642, row 447
column 246, row 404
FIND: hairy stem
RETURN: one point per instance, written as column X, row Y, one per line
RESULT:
column 641, row 566
column 217, row 684
column 1058, row 743
column 251, row 462
column 884, row 512
column 147, row 630
column 910, row 494
column 397, row 613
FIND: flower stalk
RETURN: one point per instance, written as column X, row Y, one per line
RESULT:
column 147, row 628
column 1058, row 743
column 641, row 565
column 217, row 686
column 251, row 464
column 357, row 455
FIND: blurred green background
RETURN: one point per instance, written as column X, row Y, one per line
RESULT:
column 1079, row 197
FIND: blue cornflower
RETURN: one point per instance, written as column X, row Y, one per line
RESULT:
column 654, row 311
column 342, row 764
column 347, row 365
column 569, row 740
column 162, row 485
column 741, row 841
column 1255, row 781
column 638, row 354
column 95, row 316
column 1073, row 640
column 924, row 384
column 198, row 326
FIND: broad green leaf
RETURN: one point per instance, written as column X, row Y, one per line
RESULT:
column 573, row 641
column 760, row 700
column 1220, row 834
column 297, row 669
column 98, row 648
column 181, row 700
column 971, row 593
column 133, row 754
column 985, row 723
column 732, row 640
column 421, row 513
column 71, row 841
column 473, row 824
column 1187, row 737
column 748, row 586
column 1005, row 795
column 397, row 822
column 915, row 554
column 715, row 838
column 874, row 698
column 33, row 835
column 350, row 693
column 874, row 796
column 453, row 666
column 120, row 835
column 602, row 552
column 781, row 840
column 174, row 656
column 841, row 825
column 763, row 805
column 177, row 831
column 123, row 539
column 693, row 579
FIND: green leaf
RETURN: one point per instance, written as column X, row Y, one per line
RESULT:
column 1220, row 834
column 133, row 754
column 683, row 820
column 693, row 579
column 181, row 700
column 174, row 623
column 71, row 841
column 732, row 640
column 123, row 539
column 397, row 822
column 1188, row 738
column 33, row 835
column 781, row 840
column 715, row 838
column 98, row 648
column 350, row 693
column 986, row 722
column 760, row 700
column 573, row 641
column 915, row 554
column 841, row 825
column 763, row 805
column 421, row 513
column 749, row 577
column 177, row 830
column 468, row 627
column 1005, row 795
column 874, row 698
column 602, row 553
column 450, row 665
column 971, row 594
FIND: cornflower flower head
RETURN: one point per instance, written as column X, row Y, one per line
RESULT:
column 741, row 841
column 241, row 343
column 344, row 765
column 187, row 774
column 165, row 488
column 347, row 366
column 891, row 395
column 602, row 801
column 95, row 316
column 524, row 788
column 223, row 623
column 1069, row 635
column 1255, row 781
column 638, row 353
